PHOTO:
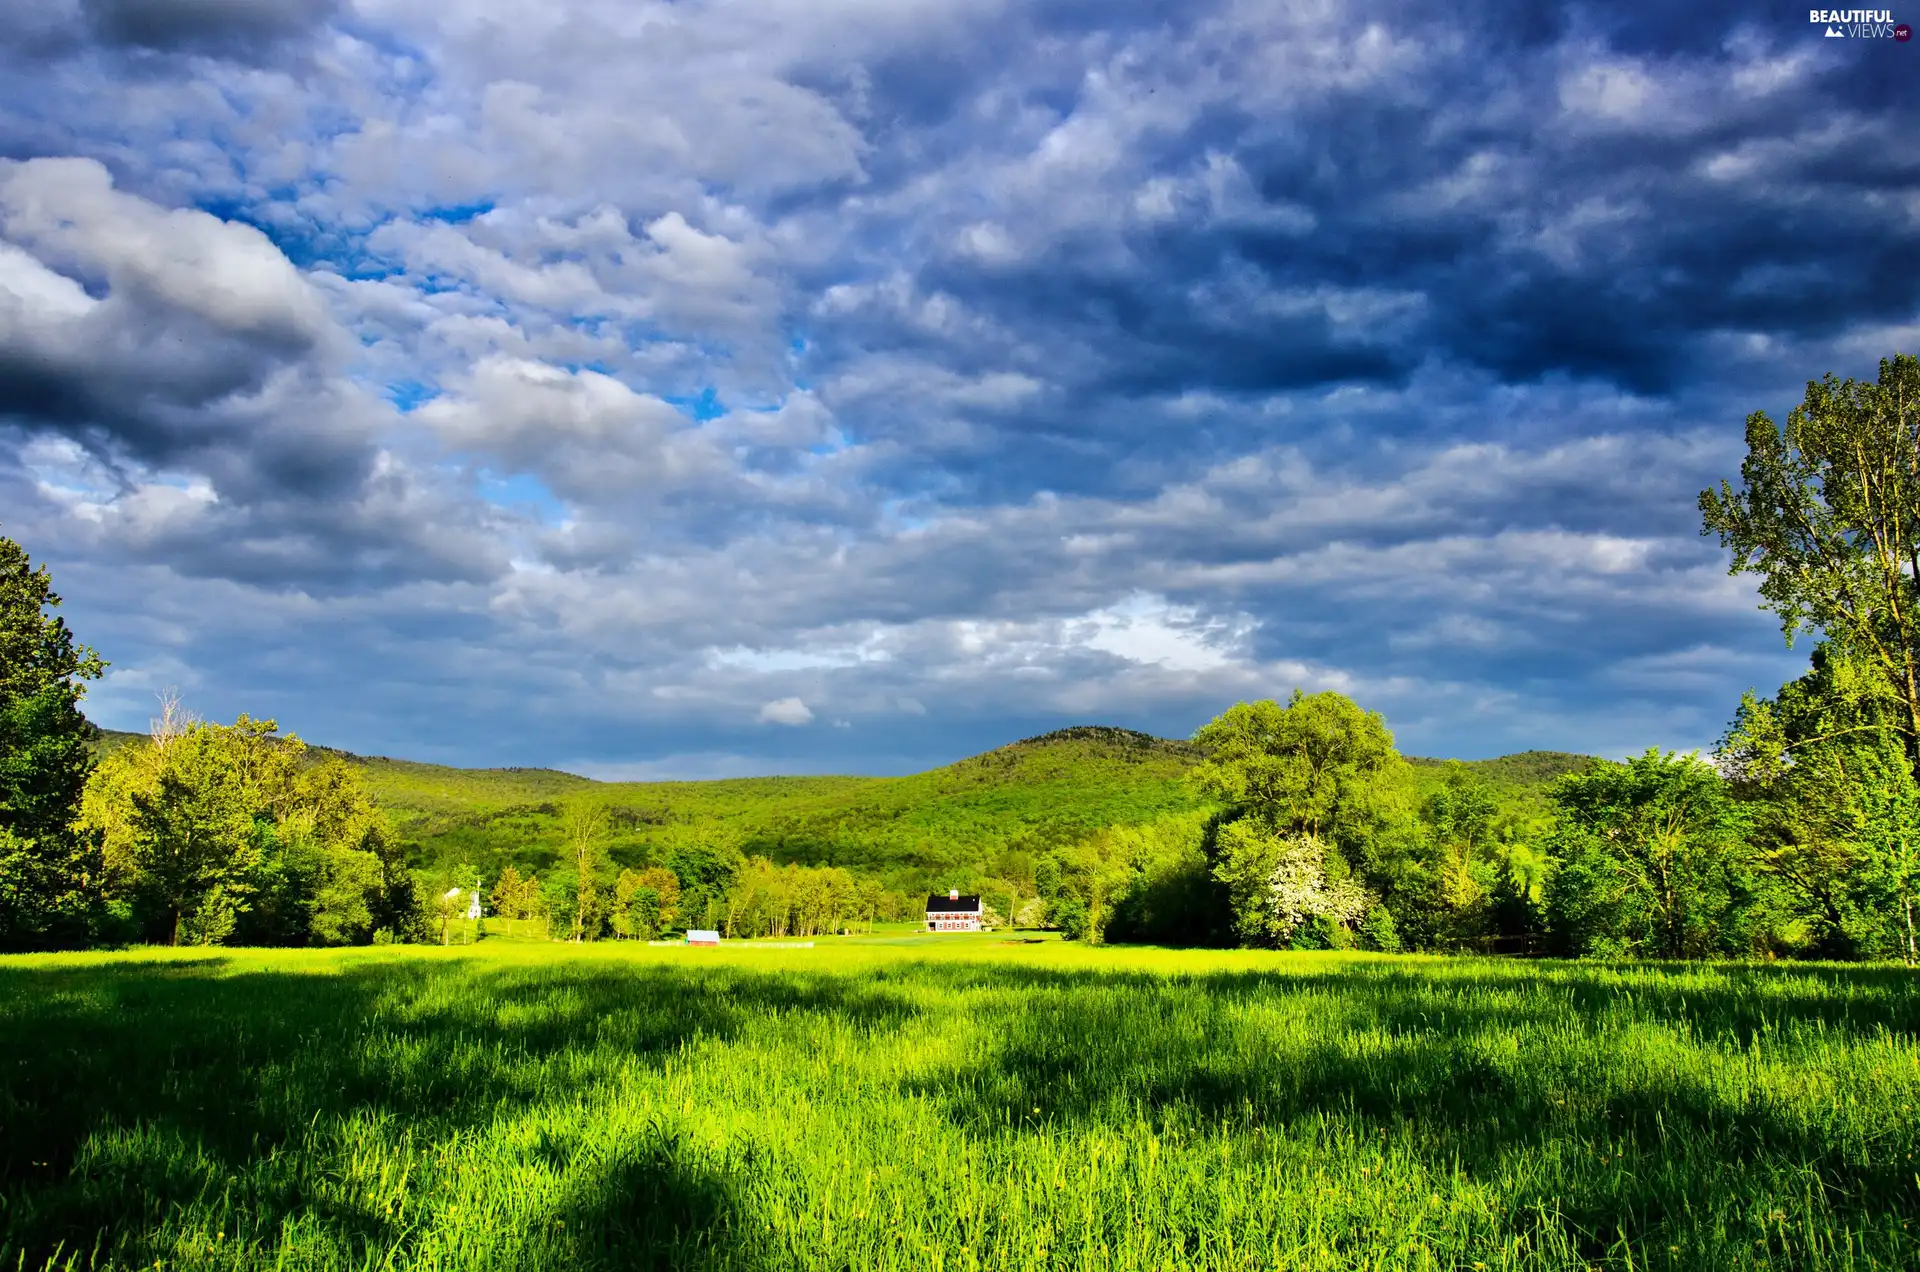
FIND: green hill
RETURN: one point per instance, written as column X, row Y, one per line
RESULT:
column 908, row 830
column 912, row 832
column 1519, row 781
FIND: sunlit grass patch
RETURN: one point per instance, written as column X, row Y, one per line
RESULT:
column 950, row 1104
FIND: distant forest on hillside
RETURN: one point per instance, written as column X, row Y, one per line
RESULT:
column 917, row 830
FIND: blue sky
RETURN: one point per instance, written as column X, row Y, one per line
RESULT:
column 699, row 389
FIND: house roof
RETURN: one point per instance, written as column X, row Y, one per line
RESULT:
column 940, row 903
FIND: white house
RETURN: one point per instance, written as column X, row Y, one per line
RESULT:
column 953, row 913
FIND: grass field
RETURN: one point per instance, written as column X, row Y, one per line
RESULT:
column 950, row 1103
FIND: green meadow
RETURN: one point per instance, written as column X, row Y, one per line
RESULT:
column 950, row 1103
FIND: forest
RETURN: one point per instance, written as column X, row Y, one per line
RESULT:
column 1288, row 823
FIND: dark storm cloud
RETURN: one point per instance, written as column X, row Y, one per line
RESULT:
column 244, row 28
column 1603, row 215
column 693, row 381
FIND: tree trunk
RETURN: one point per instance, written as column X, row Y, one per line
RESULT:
column 1906, row 902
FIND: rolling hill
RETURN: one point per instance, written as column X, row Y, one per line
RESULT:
column 910, row 831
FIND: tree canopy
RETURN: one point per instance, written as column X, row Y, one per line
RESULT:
column 1828, row 515
column 215, row 834
column 49, row 877
column 1305, row 767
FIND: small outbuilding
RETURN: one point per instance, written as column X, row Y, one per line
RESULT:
column 702, row 936
column 953, row 913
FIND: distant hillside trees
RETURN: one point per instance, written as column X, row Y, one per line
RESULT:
column 50, row 876
column 793, row 900
column 515, row 899
column 231, row 834
column 645, row 902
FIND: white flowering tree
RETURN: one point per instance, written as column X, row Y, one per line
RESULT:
column 1280, row 880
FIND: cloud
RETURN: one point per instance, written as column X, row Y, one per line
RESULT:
column 789, row 711
column 216, row 26
column 593, row 384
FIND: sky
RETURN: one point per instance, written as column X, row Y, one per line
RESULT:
column 706, row 389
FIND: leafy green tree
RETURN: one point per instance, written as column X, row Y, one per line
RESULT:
column 645, row 902
column 232, row 834
column 1304, row 787
column 706, row 864
column 1286, row 885
column 1461, row 818
column 1308, row 767
column 1828, row 515
column 1378, row 931
column 1835, row 808
column 1649, row 859
column 515, row 898
column 50, row 877
column 195, row 846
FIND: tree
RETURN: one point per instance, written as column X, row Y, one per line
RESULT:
column 1835, row 808
column 50, row 877
column 215, row 834
column 1306, row 767
column 514, row 898
column 1303, row 787
column 706, row 864
column 1646, row 866
column 1828, row 515
column 448, row 905
column 584, row 829
column 1285, row 884
column 645, row 902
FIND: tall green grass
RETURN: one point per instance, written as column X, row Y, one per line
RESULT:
column 950, row 1104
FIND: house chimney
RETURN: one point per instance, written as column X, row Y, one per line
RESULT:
column 953, row 894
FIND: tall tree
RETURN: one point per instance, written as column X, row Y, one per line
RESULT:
column 1836, row 809
column 1828, row 515
column 49, row 876
column 584, row 829
column 232, row 834
column 1306, row 767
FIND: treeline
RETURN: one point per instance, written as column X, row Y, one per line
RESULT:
column 1322, row 841
column 711, row 887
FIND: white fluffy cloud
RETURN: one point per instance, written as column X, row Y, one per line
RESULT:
column 788, row 711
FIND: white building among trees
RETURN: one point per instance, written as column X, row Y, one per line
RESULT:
column 953, row 913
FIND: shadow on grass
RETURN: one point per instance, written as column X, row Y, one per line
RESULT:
column 197, row 1073
column 1470, row 1066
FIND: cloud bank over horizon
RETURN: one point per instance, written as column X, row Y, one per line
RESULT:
column 698, row 390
